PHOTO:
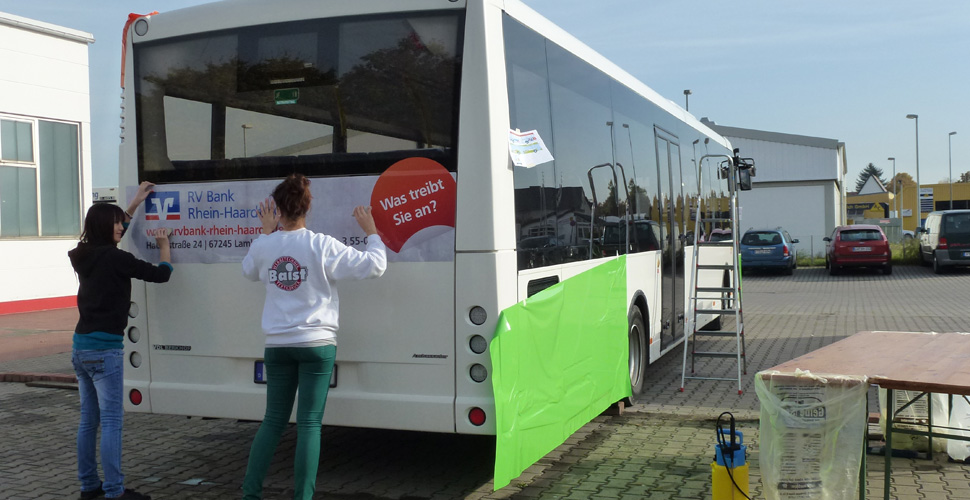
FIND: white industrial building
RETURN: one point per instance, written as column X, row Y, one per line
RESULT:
column 799, row 183
column 45, row 160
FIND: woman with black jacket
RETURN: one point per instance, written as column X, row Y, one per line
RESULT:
column 105, row 272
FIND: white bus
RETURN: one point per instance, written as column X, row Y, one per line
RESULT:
column 408, row 106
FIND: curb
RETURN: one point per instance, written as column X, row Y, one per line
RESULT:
column 61, row 378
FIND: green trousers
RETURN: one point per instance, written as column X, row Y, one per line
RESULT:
column 288, row 369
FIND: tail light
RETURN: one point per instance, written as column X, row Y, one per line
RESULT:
column 943, row 245
column 785, row 250
column 476, row 416
column 135, row 397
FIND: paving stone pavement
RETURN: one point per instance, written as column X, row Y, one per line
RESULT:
column 658, row 450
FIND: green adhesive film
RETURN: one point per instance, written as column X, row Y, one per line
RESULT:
column 559, row 358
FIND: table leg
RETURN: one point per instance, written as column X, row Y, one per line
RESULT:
column 929, row 416
column 888, row 450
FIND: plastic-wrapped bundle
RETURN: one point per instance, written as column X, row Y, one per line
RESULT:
column 959, row 419
column 914, row 416
column 812, row 431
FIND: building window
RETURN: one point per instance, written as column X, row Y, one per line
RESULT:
column 40, row 191
column 16, row 141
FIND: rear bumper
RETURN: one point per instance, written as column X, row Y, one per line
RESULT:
column 954, row 257
column 860, row 260
column 765, row 263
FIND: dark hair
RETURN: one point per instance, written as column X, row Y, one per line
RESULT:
column 99, row 224
column 293, row 196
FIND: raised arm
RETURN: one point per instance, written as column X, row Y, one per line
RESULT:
column 143, row 189
column 365, row 220
column 350, row 263
column 164, row 249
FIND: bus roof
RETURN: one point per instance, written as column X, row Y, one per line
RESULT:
column 228, row 14
column 548, row 29
column 233, row 13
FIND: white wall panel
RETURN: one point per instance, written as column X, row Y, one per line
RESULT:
column 44, row 76
column 36, row 269
column 801, row 210
column 777, row 162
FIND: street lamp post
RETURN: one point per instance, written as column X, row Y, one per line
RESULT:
column 902, row 206
column 245, row 127
column 919, row 200
column 687, row 94
column 895, row 190
column 949, row 141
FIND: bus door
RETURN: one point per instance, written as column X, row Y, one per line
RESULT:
column 672, row 238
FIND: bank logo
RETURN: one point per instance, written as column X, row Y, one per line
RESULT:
column 287, row 274
column 163, row 205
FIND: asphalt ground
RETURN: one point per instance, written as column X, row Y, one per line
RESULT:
column 658, row 450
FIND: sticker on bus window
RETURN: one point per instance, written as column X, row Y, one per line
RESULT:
column 527, row 149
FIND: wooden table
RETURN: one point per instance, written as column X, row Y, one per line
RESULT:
column 910, row 361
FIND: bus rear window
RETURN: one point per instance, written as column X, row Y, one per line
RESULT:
column 324, row 97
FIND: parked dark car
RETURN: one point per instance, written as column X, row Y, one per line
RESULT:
column 944, row 241
column 859, row 245
column 644, row 237
column 539, row 251
column 768, row 249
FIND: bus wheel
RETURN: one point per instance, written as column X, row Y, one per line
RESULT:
column 637, row 336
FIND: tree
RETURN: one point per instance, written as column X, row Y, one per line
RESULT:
column 867, row 172
column 964, row 177
column 904, row 179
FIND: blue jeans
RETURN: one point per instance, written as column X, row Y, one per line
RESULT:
column 100, row 382
column 289, row 368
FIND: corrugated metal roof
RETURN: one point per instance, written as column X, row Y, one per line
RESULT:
column 762, row 135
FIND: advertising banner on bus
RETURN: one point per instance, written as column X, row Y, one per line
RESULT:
column 413, row 203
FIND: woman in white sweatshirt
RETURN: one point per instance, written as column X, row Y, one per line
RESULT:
column 300, row 320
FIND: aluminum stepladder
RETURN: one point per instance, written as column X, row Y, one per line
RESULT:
column 706, row 291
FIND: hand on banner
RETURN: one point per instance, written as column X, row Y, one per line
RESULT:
column 141, row 194
column 161, row 235
column 268, row 215
column 143, row 189
column 161, row 238
column 365, row 219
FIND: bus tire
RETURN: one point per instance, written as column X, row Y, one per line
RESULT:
column 637, row 338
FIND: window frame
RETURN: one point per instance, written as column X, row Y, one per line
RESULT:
column 34, row 145
column 35, row 165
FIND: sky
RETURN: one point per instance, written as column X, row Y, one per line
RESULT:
column 844, row 70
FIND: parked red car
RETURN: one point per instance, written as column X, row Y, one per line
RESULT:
column 859, row 245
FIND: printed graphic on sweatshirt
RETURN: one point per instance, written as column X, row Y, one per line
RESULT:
column 287, row 274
